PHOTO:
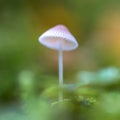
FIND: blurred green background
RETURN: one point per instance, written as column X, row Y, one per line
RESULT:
column 29, row 71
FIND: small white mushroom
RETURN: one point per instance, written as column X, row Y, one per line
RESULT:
column 59, row 38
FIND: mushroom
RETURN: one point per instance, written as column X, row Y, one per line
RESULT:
column 59, row 38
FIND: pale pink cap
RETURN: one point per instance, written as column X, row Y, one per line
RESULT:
column 58, row 36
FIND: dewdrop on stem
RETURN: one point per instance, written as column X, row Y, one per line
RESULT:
column 59, row 38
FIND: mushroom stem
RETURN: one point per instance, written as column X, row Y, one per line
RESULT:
column 60, row 65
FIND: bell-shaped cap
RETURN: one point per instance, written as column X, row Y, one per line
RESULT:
column 58, row 37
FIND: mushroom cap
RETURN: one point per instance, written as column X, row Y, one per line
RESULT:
column 58, row 37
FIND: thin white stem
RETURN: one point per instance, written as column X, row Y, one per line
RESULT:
column 60, row 65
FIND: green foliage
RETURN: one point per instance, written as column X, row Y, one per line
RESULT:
column 82, row 100
column 102, row 77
